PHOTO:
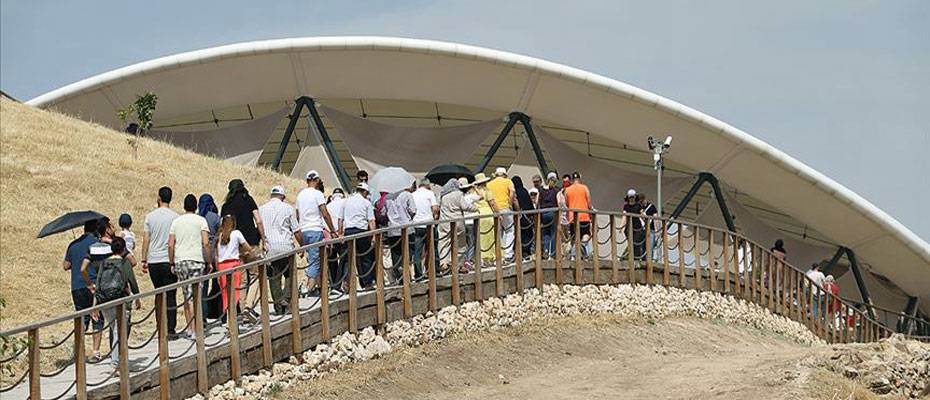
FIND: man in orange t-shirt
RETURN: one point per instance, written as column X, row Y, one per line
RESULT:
column 577, row 196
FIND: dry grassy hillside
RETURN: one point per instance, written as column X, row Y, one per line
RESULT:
column 51, row 164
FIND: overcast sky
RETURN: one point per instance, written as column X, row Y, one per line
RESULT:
column 844, row 86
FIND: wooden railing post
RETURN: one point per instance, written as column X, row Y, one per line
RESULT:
column 294, row 308
column 770, row 280
column 736, row 274
column 595, row 251
column 614, row 258
column 122, row 333
column 476, row 261
column 263, row 312
column 203, row 386
column 498, row 258
column 324, row 292
column 35, row 365
column 454, row 265
column 80, row 363
column 631, row 247
column 712, row 261
column 665, row 273
column 681, row 257
column 576, row 228
column 755, row 262
column 725, row 260
column 161, row 320
column 518, row 252
column 232, row 327
column 405, row 263
column 698, row 269
column 558, row 247
column 353, row 286
column 379, row 278
column 537, row 234
column 430, row 266
column 648, row 228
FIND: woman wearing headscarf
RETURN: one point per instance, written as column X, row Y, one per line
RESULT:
column 452, row 205
column 526, row 224
column 241, row 206
column 486, row 205
column 206, row 208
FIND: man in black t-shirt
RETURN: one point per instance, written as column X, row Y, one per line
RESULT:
column 650, row 210
column 632, row 207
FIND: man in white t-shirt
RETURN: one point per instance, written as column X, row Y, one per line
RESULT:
column 154, row 252
column 313, row 217
column 358, row 217
column 427, row 210
column 815, row 275
column 188, row 241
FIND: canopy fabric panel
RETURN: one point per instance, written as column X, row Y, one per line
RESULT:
column 608, row 183
column 375, row 145
column 801, row 254
column 313, row 157
column 226, row 142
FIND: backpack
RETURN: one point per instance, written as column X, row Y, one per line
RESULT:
column 111, row 284
column 381, row 213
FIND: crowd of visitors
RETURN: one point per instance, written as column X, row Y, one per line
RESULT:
column 206, row 238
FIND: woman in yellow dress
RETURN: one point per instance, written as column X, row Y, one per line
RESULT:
column 486, row 205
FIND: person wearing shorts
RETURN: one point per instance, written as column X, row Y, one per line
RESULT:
column 312, row 217
column 188, row 241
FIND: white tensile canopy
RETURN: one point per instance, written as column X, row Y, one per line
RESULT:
column 409, row 69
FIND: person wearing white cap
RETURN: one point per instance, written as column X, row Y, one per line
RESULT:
column 634, row 209
column 427, row 210
column 505, row 195
column 313, row 217
column 337, row 251
column 358, row 217
column 281, row 234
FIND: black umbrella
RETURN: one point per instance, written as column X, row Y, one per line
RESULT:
column 441, row 174
column 68, row 221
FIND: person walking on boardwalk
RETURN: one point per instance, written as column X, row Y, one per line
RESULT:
column 81, row 294
column 578, row 197
column 281, row 232
column 155, row 260
column 358, row 217
column 452, row 206
column 505, row 197
column 188, row 244
column 230, row 245
column 313, row 217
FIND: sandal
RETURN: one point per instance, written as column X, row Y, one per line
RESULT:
column 97, row 357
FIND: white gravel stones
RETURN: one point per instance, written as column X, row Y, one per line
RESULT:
column 634, row 302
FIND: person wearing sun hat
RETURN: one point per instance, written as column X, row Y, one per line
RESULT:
column 452, row 206
column 485, row 203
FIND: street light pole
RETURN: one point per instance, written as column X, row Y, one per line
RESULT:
column 658, row 150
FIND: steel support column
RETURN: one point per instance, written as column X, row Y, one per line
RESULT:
column 718, row 194
column 325, row 140
column 860, row 282
column 832, row 263
column 294, row 117
column 512, row 119
column 537, row 150
column 327, row 143
column 911, row 311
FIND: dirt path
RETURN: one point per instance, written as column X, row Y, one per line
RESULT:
column 585, row 358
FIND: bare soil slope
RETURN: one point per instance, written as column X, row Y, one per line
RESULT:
column 593, row 358
column 51, row 164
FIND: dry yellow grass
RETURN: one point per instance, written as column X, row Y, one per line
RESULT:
column 51, row 164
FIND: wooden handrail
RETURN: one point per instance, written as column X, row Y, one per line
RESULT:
column 764, row 279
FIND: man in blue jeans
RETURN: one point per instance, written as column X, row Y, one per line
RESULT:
column 80, row 294
column 313, row 217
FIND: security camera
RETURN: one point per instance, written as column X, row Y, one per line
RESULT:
column 668, row 142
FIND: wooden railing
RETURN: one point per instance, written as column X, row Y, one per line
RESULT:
column 682, row 254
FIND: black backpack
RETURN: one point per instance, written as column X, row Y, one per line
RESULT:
column 111, row 284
